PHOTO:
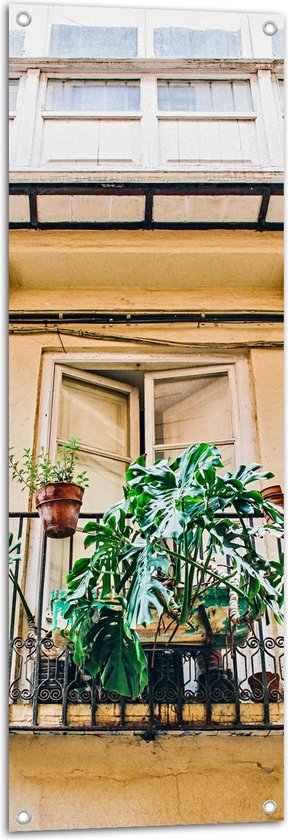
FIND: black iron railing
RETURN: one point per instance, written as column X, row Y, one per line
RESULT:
column 188, row 688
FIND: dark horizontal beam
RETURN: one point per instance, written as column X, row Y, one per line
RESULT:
column 94, row 730
column 148, row 191
column 134, row 188
column 82, row 317
column 265, row 226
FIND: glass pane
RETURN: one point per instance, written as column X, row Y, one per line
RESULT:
column 116, row 96
column 163, row 103
column 222, row 97
column 106, row 480
column 192, row 410
column 16, row 43
column 92, row 96
column 53, row 96
column 133, row 90
column 179, row 97
column 203, row 96
column 242, row 96
column 93, row 41
column 13, row 91
column 97, row 415
column 281, row 92
column 226, row 449
column 181, row 42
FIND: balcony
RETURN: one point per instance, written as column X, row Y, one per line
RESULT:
column 188, row 689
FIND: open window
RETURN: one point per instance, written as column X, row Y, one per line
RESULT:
column 192, row 406
column 119, row 412
column 104, row 414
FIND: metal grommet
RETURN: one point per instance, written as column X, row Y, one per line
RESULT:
column 23, row 18
column 269, row 807
column 270, row 27
column 23, row 817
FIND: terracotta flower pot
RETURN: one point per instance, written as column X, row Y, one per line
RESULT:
column 273, row 494
column 58, row 506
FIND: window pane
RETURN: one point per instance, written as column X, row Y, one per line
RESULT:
column 98, row 416
column 204, row 96
column 281, row 92
column 163, row 102
column 93, row 41
column 16, row 43
column 179, row 42
column 192, row 410
column 222, row 98
column 242, row 96
column 92, row 95
column 278, row 44
column 116, row 96
column 133, row 90
column 226, row 449
column 13, row 91
column 106, row 480
column 179, row 97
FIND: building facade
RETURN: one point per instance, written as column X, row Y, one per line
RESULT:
column 146, row 310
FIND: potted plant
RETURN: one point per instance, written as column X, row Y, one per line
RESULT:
column 257, row 684
column 58, row 496
column 274, row 494
column 162, row 551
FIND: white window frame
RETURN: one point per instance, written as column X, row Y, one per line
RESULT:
column 84, row 115
column 94, row 379
column 210, row 115
column 200, row 371
column 195, row 114
column 82, row 362
column 97, row 115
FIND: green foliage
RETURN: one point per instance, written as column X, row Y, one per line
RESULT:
column 180, row 530
column 14, row 556
column 38, row 471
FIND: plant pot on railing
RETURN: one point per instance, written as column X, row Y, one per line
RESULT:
column 58, row 497
column 58, row 505
column 273, row 494
column 256, row 683
column 195, row 631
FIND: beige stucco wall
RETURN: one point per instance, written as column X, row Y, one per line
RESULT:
column 97, row 781
column 268, row 378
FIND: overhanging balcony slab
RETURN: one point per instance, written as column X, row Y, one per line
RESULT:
column 146, row 269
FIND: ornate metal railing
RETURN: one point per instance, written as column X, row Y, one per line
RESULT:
column 188, row 688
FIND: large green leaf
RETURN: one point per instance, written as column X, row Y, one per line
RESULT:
column 117, row 655
column 147, row 590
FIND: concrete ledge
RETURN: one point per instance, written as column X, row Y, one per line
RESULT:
column 137, row 714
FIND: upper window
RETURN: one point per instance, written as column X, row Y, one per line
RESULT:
column 204, row 96
column 278, row 44
column 13, row 93
column 86, row 95
column 179, row 42
column 94, row 41
column 16, row 43
column 281, row 93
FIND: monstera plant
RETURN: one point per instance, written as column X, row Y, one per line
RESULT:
column 181, row 531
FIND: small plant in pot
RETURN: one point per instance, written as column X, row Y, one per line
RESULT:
column 58, row 496
column 161, row 556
